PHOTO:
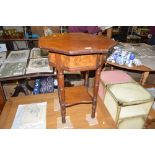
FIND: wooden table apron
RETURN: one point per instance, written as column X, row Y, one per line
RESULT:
column 70, row 52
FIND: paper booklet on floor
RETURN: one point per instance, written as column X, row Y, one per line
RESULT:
column 30, row 116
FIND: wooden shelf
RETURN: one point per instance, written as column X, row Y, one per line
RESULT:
column 77, row 95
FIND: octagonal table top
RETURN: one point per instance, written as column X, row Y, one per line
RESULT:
column 76, row 43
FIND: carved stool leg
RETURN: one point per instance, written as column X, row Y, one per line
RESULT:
column 61, row 93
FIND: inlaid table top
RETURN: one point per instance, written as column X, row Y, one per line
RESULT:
column 76, row 43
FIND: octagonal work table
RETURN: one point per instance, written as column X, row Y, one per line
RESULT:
column 76, row 52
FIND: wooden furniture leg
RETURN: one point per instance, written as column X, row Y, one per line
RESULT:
column 109, row 32
column 86, row 81
column 144, row 78
column 101, row 60
column 95, row 91
column 61, row 90
column 2, row 98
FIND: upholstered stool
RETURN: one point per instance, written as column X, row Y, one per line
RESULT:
column 128, row 104
column 112, row 77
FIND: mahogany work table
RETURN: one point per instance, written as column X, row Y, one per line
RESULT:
column 76, row 52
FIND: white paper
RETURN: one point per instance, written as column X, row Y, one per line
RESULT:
column 67, row 125
column 91, row 121
column 30, row 116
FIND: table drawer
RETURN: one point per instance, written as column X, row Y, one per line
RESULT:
column 75, row 61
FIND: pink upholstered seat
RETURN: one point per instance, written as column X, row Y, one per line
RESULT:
column 112, row 77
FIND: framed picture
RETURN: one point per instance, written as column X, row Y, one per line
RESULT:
column 38, row 53
column 12, row 69
column 21, row 55
column 38, row 65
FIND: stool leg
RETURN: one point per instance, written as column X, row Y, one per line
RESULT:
column 61, row 93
